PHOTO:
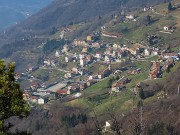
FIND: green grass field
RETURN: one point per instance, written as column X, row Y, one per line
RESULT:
column 98, row 99
column 96, row 67
column 50, row 75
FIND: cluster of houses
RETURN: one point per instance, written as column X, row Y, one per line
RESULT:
column 37, row 93
column 169, row 29
column 164, row 63
column 37, row 97
column 113, row 53
column 107, row 53
column 120, row 84
column 74, row 87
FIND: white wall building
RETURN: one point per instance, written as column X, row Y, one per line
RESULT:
column 41, row 101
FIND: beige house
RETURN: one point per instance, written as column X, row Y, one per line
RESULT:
column 130, row 17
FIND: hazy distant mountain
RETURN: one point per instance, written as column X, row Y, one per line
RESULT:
column 13, row 11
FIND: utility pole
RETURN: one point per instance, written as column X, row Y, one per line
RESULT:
column 141, row 111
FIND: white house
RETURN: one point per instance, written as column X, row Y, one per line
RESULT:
column 166, row 28
column 68, row 59
column 147, row 51
column 53, row 63
column 81, row 56
column 69, row 91
column 41, row 101
column 68, row 75
column 91, row 77
column 108, row 125
column 65, row 48
column 98, row 55
column 115, row 46
column 57, row 54
column 75, row 70
column 83, row 62
column 130, row 17
column 47, row 62
column 107, row 58
column 145, row 9
column 155, row 52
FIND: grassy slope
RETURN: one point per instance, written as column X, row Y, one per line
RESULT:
column 54, row 75
column 97, row 98
column 96, row 67
column 136, row 32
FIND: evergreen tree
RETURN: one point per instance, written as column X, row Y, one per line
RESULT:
column 170, row 6
column 37, row 125
column 141, row 94
column 149, row 19
column 11, row 98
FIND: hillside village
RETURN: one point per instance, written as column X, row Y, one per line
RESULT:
column 75, row 61
column 115, row 74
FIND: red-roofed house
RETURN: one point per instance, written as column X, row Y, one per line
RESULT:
column 116, row 87
column 99, row 55
column 104, row 73
column 62, row 92
column 171, row 55
column 155, row 70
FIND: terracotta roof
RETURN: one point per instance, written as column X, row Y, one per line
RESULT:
column 62, row 91
column 33, row 97
column 170, row 54
column 118, row 84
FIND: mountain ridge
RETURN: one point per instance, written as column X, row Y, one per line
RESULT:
column 56, row 15
column 15, row 11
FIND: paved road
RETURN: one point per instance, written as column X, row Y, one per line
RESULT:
column 158, row 13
